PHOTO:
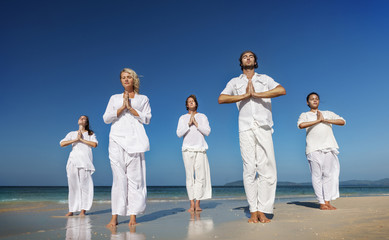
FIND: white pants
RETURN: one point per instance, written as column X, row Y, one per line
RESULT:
column 325, row 171
column 128, row 196
column 259, row 168
column 198, row 179
column 80, row 188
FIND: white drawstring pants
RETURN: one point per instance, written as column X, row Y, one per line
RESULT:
column 80, row 188
column 259, row 168
column 129, row 193
column 325, row 171
column 198, row 179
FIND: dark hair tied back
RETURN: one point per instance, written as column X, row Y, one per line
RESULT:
column 194, row 98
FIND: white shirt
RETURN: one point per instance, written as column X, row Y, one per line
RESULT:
column 127, row 130
column 319, row 136
column 81, row 154
column 193, row 136
column 253, row 109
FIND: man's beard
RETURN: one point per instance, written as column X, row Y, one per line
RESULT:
column 248, row 67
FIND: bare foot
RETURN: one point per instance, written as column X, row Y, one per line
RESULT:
column 197, row 207
column 262, row 217
column 253, row 218
column 113, row 223
column 82, row 213
column 192, row 206
column 132, row 229
column 330, row 206
column 324, row 207
column 132, row 220
column 69, row 214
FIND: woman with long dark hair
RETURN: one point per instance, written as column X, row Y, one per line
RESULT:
column 80, row 167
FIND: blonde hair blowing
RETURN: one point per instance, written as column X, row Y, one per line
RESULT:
column 134, row 76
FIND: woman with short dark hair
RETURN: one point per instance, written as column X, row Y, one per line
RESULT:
column 193, row 126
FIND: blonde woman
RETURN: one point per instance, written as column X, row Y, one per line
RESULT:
column 127, row 112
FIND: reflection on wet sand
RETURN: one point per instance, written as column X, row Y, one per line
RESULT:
column 127, row 235
column 78, row 228
column 197, row 226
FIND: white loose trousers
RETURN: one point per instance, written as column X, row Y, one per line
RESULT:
column 198, row 179
column 80, row 188
column 129, row 193
column 259, row 168
column 325, row 171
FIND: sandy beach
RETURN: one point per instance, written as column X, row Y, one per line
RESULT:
column 356, row 218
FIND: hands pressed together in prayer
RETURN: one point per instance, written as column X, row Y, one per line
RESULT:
column 126, row 101
column 250, row 88
column 192, row 120
column 79, row 135
column 127, row 105
column 320, row 117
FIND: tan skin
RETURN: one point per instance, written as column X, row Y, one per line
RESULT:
column 313, row 103
column 81, row 129
column 248, row 60
column 128, row 84
column 191, row 104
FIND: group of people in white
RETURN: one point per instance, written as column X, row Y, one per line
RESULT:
column 127, row 112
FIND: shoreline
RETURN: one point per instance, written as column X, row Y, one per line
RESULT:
column 356, row 218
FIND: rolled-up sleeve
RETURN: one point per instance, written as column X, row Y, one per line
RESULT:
column 93, row 138
column 68, row 137
column 334, row 116
column 271, row 83
column 302, row 119
column 229, row 90
column 144, row 113
column 110, row 114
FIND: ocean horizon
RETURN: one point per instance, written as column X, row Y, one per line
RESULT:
column 102, row 194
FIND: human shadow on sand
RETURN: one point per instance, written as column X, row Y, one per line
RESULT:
column 305, row 204
column 99, row 212
column 246, row 210
column 155, row 215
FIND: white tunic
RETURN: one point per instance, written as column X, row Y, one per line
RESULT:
column 81, row 155
column 127, row 130
column 253, row 109
column 319, row 136
column 193, row 136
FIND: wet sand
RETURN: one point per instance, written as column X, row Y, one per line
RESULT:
column 356, row 218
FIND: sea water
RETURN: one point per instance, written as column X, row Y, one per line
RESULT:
column 102, row 194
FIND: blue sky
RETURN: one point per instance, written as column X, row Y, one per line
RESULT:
column 61, row 59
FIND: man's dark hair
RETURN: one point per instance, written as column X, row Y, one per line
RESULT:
column 194, row 98
column 255, row 59
column 313, row 93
